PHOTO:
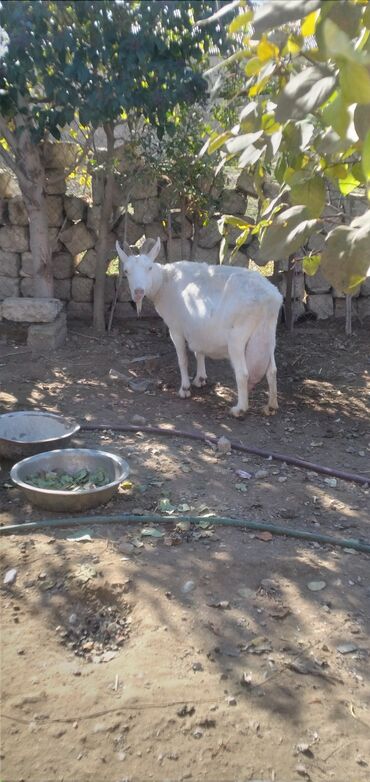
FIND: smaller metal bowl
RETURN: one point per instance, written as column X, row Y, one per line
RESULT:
column 70, row 460
column 31, row 431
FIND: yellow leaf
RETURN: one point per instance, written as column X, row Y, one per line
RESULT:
column 267, row 50
column 257, row 88
column 308, row 26
column 240, row 21
column 253, row 66
column 292, row 47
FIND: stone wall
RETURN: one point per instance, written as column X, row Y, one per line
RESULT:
column 73, row 229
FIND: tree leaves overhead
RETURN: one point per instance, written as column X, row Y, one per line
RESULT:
column 304, row 93
column 345, row 259
column 279, row 12
column 311, row 194
column 286, row 234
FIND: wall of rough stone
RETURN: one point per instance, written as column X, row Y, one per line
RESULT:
column 73, row 230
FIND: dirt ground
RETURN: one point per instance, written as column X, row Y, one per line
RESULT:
column 199, row 654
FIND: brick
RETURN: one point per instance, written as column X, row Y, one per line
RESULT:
column 77, row 238
column 62, row 266
column 146, row 210
column 80, row 310
column 87, row 264
column 60, row 155
column 9, row 264
column 31, row 310
column 322, row 305
column 75, row 208
column 55, row 183
column 82, row 288
column 209, row 235
column 54, row 208
column 316, row 283
column 62, row 289
column 49, row 336
column 27, row 287
column 17, row 211
column 232, row 202
column 27, row 265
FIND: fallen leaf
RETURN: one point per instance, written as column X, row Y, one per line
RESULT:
column 183, row 526
column 165, row 506
column 152, row 532
column 244, row 474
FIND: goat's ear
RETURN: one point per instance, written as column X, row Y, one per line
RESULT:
column 152, row 254
column 121, row 253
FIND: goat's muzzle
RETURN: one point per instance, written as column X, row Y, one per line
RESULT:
column 138, row 298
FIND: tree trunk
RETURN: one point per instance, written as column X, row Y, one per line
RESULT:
column 169, row 240
column 31, row 180
column 101, row 246
column 348, row 314
column 183, row 229
column 195, row 239
column 288, row 295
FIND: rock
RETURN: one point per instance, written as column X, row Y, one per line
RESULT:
column 60, row 155
column 146, row 210
column 14, row 238
column 321, row 305
column 209, row 235
column 261, row 474
column 54, row 208
column 232, row 202
column 81, row 310
column 62, row 289
column 231, row 701
column 49, row 336
column 153, row 230
column 82, row 288
column 175, row 250
column 9, row 263
column 197, row 666
column 316, row 586
column 8, row 185
column 198, row 733
column 134, row 231
column 75, row 208
column 55, row 183
column 145, row 186
column 93, row 218
column 77, row 238
column 298, row 289
column 223, row 445
column 363, row 305
column 365, row 287
column 9, row 287
column 189, row 586
column 17, row 211
column 347, row 648
column 86, row 263
column 27, row 287
column 62, row 265
column 10, row 576
column 27, row 265
column 207, row 255
column 138, row 419
column 31, row 310
column 316, row 283
column 126, row 548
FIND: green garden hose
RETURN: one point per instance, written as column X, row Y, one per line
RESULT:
column 128, row 518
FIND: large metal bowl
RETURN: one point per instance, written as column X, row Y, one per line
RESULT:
column 70, row 460
column 27, row 432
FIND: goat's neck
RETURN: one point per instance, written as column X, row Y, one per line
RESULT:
column 158, row 279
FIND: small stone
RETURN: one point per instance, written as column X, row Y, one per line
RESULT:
column 261, row 474
column 189, row 586
column 347, row 648
column 231, row 701
column 138, row 419
column 10, row 577
column 72, row 619
column 223, row 445
column 197, row 666
column 198, row 733
column 331, row 482
column 316, row 586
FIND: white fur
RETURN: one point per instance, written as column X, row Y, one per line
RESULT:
column 217, row 311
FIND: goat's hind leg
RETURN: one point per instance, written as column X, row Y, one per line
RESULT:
column 236, row 348
column 272, row 404
column 201, row 375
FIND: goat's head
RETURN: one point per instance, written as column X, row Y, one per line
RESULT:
column 139, row 271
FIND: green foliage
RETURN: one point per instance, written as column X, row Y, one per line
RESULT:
column 305, row 122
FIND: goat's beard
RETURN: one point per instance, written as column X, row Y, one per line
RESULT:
column 139, row 305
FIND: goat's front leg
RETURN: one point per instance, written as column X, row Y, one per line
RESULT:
column 201, row 376
column 236, row 348
column 180, row 345
column 272, row 404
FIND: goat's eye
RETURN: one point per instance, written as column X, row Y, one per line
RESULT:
column 150, row 268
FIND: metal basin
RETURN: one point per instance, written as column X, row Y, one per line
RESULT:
column 70, row 460
column 27, row 432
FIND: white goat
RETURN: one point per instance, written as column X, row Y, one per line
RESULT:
column 218, row 311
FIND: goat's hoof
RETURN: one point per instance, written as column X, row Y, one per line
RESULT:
column 199, row 382
column 269, row 410
column 237, row 411
column 184, row 393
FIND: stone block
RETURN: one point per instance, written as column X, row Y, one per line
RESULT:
column 82, row 288
column 365, row 287
column 60, row 155
column 80, row 310
column 14, row 238
column 204, row 255
column 232, row 202
column 62, row 289
column 146, row 210
column 55, row 183
column 17, row 211
column 54, row 208
column 4, row 217
column 49, row 336
column 176, row 250
column 245, row 183
column 363, row 304
column 75, row 208
column 298, row 289
column 9, row 264
column 77, row 238
column 321, row 304
column 62, row 266
column 110, row 289
column 9, row 286
column 316, row 283
column 9, row 187
column 27, row 287
column 27, row 265
column 340, row 307
column 209, row 235
column 153, row 230
column 31, row 310
column 55, row 244
column 93, row 218
column 134, row 232
column 145, row 186
column 176, row 226
column 316, row 242
column 86, row 263
column 124, row 294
